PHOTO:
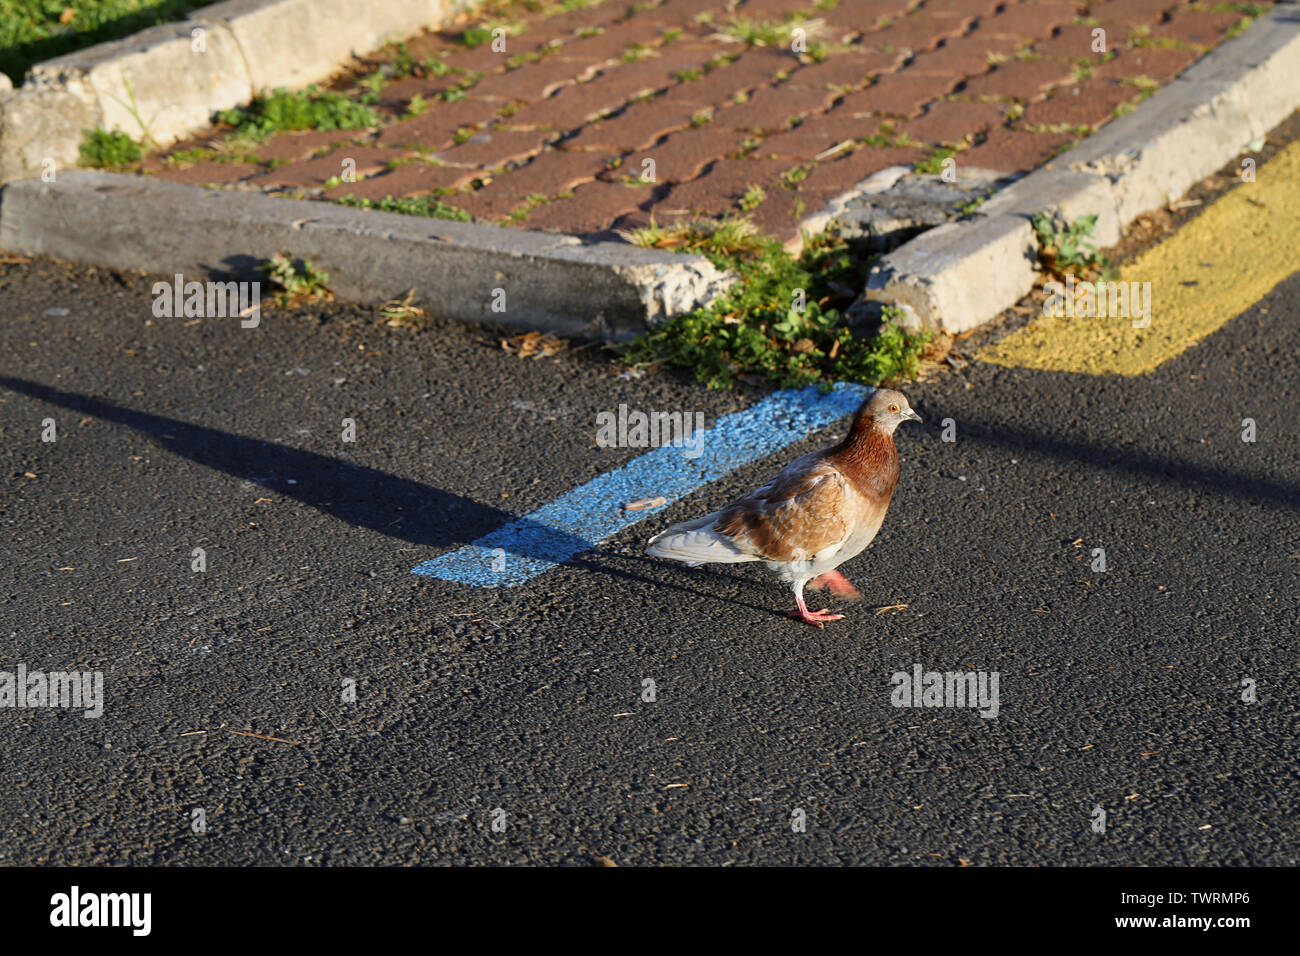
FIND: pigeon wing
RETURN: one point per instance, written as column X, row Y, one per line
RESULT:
column 805, row 511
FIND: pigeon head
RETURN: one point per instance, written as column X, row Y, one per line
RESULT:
column 887, row 409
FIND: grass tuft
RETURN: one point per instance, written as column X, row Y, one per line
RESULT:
column 756, row 330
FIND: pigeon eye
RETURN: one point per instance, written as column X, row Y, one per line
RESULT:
column 893, row 408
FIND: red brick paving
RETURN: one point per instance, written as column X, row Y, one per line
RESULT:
column 898, row 94
column 637, row 127
column 495, row 147
column 361, row 160
column 1025, row 80
column 842, row 173
column 1089, row 103
column 966, row 56
column 299, row 146
column 409, row 179
column 773, row 108
column 953, row 122
column 1031, row 21
column 553, row 172
column 721, row 188
column 682, row 155
column 572, row 115
column 436, row 128
column 1161, row 65
column 1199, row 27
column 1071, row 42
column 1012, row 151
column 591, row 208
column 208, row 173
column 1130, row 12
column 813, row 137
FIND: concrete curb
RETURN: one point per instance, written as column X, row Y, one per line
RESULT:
column 166, row 82
column 466, row 271
column 964, row 274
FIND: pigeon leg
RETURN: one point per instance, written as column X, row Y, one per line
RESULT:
column 840, row 586
column 815, row 618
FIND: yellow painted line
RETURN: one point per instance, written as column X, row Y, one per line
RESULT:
column 1235, row 252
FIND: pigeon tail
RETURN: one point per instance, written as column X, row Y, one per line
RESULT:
column 695, row 543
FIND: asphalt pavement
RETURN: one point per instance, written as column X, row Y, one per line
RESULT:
column 511, row 725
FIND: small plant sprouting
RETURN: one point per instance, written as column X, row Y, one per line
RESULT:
column 101, row 149
column 1066, row 247
column 310, row 108
column 297, row 281
column 779, row 321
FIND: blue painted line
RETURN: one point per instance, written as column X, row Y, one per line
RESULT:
column 525, row 547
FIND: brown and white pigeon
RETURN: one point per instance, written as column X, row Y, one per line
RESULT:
column 821, row 510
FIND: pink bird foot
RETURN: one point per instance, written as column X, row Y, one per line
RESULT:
column 840, row 586
column 815, row 618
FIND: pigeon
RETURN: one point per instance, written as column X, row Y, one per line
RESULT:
column 821, row 510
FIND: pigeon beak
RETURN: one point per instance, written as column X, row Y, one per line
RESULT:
column 911, row 416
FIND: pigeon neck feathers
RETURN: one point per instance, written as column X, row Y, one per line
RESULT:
column 868, row 458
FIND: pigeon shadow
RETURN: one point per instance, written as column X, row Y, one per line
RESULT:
column 364, row 497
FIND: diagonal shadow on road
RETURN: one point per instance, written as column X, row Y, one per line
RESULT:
column 361, row 496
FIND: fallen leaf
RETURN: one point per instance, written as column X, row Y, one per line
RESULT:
column 642, row 503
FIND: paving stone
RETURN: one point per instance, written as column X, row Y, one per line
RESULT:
column 1071, row 42
column 716, row 88
column 1012, row 151
column 591, row 208
column 1129, row 12
column 844, row 173
column 409, row 179
column 771, row 9
column 1031, row 21
column 850, row 69
column 817, row 134
column 953, row 122
column 864, row 15
column 684, row 154
column 532, row 81
column 773, row 108
column 719, row 190
column 915, row 33
column 432, row 44
column 481, row 59
column 966, row 56
column 782, row 210
column 683, row 54
column 1026, row 80
column 1161, row 65
column 1200, row 27
column 676, row 12
column 495, row 147
column 599, row 15
column 760, row 66
column 208, row 173
column 435, row 128
column 396, row 97
column 1090, row 103
column 314, row 172
column 898, row 94
column 488, row 207
column 570, row 108
column 613, row 43
column 648, row 75
column 959, row 8
column 637, row 127
column 297, row 146
column 551, row 172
